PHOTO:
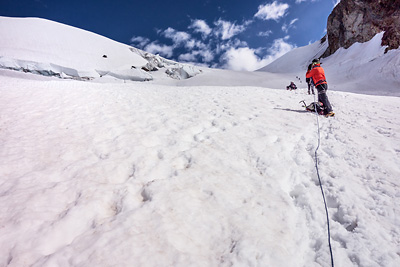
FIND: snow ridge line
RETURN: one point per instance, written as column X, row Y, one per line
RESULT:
column 320, row 184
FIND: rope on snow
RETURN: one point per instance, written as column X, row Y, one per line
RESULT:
column 320, row 184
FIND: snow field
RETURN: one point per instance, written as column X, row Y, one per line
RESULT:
column 148, row 175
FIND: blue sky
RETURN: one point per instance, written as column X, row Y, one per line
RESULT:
column 232, row 34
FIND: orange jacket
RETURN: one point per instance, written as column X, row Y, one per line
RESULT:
column 317, row 73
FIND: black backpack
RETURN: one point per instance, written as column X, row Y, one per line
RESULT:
column 316, row 105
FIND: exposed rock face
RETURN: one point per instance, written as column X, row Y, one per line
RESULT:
column 359, row 20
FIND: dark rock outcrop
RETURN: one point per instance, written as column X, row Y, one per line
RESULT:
column 359, row 20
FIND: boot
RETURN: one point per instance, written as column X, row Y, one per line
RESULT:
column 330, row 114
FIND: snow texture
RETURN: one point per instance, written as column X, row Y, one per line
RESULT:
column 196, row 172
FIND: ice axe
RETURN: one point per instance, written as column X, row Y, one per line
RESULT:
column 304, row 103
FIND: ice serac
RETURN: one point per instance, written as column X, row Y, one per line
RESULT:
column 173, row 69
column 359, row 21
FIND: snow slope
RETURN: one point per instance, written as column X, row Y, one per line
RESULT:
column 76, row 52
column 296, row 60
column 362, row 68
column 54, row 49
column 148, row 175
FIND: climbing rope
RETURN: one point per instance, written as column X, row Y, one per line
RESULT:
column 320, row 184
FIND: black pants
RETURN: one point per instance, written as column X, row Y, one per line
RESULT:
column 322, row 97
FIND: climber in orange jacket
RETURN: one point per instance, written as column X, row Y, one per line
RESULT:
column 317, row 74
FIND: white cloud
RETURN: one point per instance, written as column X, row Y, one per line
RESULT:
column 300, row 1
column 279, row 48
column 222, row 47
column 200, row 26
column 176, row 36
column 193, row 43
column 140, row 41
column 286, row 27
column 272, row 11
column 205, row 55
column 265, row 34
column 240, row 59
column 246, row 59
column 218, row 44
column 188, row 57
column 226, row 29
column 163, row 50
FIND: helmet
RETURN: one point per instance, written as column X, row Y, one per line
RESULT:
column 315, row 61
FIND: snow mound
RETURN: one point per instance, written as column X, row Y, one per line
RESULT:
column 49, row 48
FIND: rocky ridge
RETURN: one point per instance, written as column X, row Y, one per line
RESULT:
column 354, row 21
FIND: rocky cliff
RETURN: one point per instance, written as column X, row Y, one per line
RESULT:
column 359, row 20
